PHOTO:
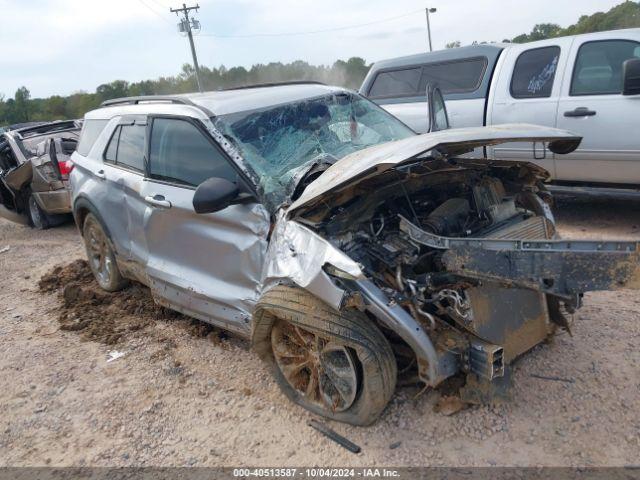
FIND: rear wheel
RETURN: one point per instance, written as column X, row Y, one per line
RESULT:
column 100, row 255
column 336, row 364
column 38, row 217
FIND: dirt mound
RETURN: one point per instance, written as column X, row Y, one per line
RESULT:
column 108, row 317
column 61, row 275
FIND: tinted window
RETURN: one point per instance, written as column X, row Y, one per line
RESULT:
column 131, row 146
column 534, row 73
column 179, row 152
column 598, row 67
column 90, row 132
column 400, row 83
column 112, row 148
column 456, row 77
column 440, row 118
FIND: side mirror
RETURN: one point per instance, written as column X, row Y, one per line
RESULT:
column 631, row 77
column 438, row 116
column 214, row 194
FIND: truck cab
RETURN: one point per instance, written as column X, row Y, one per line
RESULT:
column 577, row 83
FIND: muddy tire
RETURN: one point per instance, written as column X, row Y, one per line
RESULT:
column 335, row 364
column 38, row 218
column 100, row 255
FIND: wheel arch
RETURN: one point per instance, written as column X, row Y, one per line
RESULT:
column 377, row 306
column 360, row 334
column 82, row 206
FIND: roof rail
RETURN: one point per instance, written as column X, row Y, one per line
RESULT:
column 275, row 84
column 147, row 98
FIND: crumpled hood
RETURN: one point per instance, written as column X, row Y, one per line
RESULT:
column 363, row 164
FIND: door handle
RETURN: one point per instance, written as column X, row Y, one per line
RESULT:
column 100, row 174
column 580, row 112
column 158, row 201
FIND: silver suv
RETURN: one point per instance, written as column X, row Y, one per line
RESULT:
column 348, row 249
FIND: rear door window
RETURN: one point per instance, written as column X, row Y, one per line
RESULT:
column 534, row 73
column 180, row 153
column 397, row 83
column 91, row 130
column 126, row 147
column 598, row 69
column 461, row 76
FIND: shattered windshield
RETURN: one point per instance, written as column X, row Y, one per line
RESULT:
column 282, row 142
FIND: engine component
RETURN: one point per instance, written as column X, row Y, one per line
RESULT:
column 534, row 228
column 448, row 218
column 490, row 191
column 394, row 251
column 457, row 305
column 502, row 211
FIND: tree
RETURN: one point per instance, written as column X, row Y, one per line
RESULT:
column 115, row 89
column 3, row 110
column 625, row 15
column 21, row 107
column 349, row 74
column 541, row 31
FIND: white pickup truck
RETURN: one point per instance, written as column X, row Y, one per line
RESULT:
column 588, row 84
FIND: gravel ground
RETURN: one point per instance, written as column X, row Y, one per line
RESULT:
column 180, row 397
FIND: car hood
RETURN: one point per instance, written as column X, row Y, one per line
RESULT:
column 369, row 162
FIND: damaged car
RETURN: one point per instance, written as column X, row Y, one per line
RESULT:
column 351, row 251
column 34, row 172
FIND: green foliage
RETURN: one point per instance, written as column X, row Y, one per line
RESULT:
column 21, row 108
column 625, row 15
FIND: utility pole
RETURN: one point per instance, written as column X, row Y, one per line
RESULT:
column 429, row 10
column 186, row 25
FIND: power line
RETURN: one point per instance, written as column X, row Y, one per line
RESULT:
column 161, row 5
column 148, row 7
column 313, row 32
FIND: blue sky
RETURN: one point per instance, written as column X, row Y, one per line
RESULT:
column 64, row 46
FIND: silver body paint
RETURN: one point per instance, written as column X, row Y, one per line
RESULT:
column 215, row 267
column 297, row 255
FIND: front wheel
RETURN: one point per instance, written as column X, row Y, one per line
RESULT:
column 335, row 364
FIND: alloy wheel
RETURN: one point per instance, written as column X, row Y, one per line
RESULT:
column 99, row 254
column 323, row 371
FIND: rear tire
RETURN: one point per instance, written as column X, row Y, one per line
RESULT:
column 100, row 255
column 38, row 218
column 333, row 363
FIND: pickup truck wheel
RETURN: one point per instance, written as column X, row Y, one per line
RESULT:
column 102, row 260
column 335, row 364
column 37, row 217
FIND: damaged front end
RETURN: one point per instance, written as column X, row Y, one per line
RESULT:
column 457, row 259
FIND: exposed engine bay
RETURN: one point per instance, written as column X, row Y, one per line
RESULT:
column 478, row 325
column 456, row 259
